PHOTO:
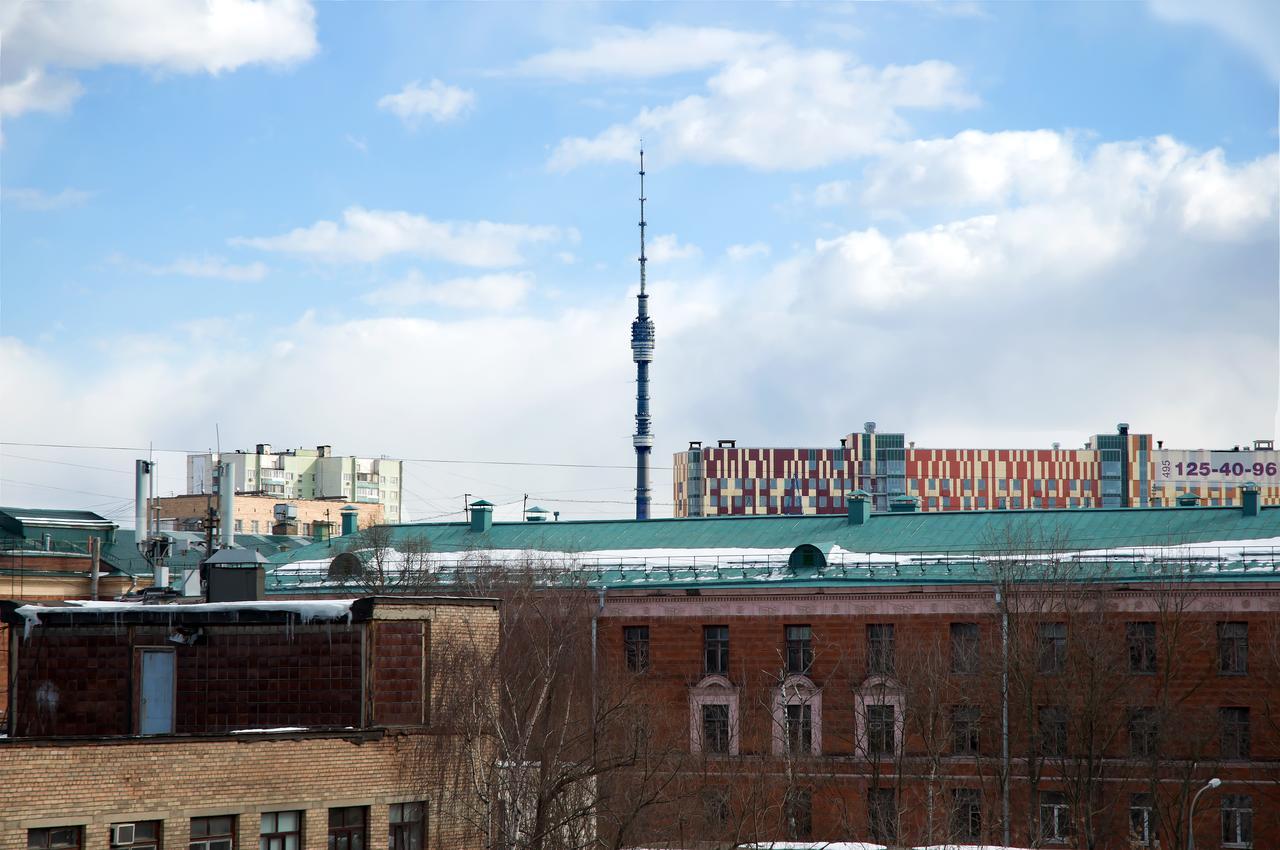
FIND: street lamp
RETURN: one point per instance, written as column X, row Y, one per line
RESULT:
column 1212, row 783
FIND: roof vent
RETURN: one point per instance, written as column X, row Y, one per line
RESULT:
column 869, row 427
column 1264, row 445
column 1188, row 500
column 806, row 558
column 264, row 448
column 904, row 504
column 1057, row 446
column 1122, row 429
column 1250, row 499
column 859, row 505
column 481, row 515
column 535, row 514
column 727, row 444
column 695, row 444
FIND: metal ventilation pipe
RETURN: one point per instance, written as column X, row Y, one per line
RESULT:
column 227, row 503
column 141, row 492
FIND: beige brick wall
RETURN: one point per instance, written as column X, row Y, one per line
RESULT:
column 95, row 784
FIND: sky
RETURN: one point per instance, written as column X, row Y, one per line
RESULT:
column 411, row 230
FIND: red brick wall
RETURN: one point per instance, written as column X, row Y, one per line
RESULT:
column 1191, row 686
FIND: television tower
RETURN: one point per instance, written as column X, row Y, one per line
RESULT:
column 642, row 354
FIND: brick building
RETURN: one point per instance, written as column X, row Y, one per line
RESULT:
column 849, row 678
column 297, row 725
column 1112, row 470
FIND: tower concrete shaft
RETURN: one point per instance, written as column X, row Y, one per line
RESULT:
column 642, row 354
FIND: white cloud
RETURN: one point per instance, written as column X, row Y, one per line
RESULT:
column 371, row 235
column 42, row 201
column 207, row 266
column 780, row 108
column 667, row 248
column 438, row 101
column 1254, row 25
column 1079, row 217
column 495, row 292
column 184, row 36
column 833, row 193
column 656, row 52
column 741, row 253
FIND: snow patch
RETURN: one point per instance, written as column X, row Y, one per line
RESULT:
column 307, row 611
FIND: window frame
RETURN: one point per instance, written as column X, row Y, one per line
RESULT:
column 77, row 830
column 396, row 829
column 965, row 642
column 798, row 648
column 1237, row 813
column 1233, row 649
column 635, row 648
column 881, row 648
column 882, row 826
column 1060, row 812
column 881, row 721
column 1061, row 731
column 1235, row 724
column 207, row 840
column 1142, row 813
column 154, row 843
column 711, row 744
column 350, row 831
column 966, row 813
column 278, row 837
column 715, row 647
column 966, row 718
column 1143, row 728
column 1051, row 647
column 1140, row 638
column 797, row 814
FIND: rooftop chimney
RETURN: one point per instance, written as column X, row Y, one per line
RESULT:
column 1249, row 499
column 481, row 515
column 227, row 503
column 264, row 448
column 859, row 505
column 350, row 520
column 1123, row 429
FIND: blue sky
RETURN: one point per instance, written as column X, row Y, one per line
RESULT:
column 410, row 229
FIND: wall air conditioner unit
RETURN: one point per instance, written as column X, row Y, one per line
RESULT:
column 122, row 833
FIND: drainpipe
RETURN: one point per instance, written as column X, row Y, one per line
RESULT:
column 595, row 629
column 95, row 557
column 1004, row 711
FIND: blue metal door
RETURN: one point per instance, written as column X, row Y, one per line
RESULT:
column 157, row 693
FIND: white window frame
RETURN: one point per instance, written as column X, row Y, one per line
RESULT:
column 797, row 690
column 713, row 690
column 879, row 690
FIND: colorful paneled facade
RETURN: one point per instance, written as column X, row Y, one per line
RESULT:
column 1112, row 470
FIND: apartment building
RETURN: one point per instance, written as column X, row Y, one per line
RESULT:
column 304, row 474
column 1120, row 469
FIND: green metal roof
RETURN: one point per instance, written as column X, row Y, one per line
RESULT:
column 936, row 532
column 124, row 555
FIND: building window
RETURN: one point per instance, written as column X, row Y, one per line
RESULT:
column 715, row 650
column 1237, row 820
column 239, row 526
column 964, row 730
column 799, row 649
column 880, row 649
column 408, row 826
column 140, row 835
column 1144, row 732
column 280, row 831
column 216, row 833
column 1141, row 819
column 964, row 648
column 1051, row 639
column 799, row 731
column 966, row 814
column 1234, row 723
column 1141, row 638
column 882, row 815
column 347, row 828
column 1052, row 732
column 798, row 811
column 1055, row 817
column 1233, row 648
column 635, row 642
column 715, row 728
column 55, row 838
column 880, row 730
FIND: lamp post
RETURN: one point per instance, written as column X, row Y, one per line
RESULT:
column 1191, row 839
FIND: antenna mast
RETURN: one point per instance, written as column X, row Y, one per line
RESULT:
column 642, row 354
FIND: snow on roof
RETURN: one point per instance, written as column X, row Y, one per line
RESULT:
column 308, row 611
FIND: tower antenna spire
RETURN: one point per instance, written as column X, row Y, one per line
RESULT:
column 642, row 354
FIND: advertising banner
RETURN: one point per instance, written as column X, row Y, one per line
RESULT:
column 1194, row 468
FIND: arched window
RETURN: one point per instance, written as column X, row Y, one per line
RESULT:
column 797, row 717
column 879, row 709
column 713, row 717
